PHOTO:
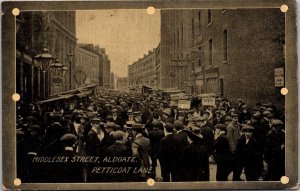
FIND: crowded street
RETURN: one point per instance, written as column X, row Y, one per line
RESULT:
column 149, row 139
column 130, row 95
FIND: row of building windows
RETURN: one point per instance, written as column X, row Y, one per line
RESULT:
column 209, row 21
column 142, row 64
column 198, row 62
column 92, row 62
column 66, row 18
column 142, row 72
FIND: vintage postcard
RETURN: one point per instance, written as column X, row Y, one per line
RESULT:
column 134, row 95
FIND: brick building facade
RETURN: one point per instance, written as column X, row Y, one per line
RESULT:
column 103, row 66
column 142, row 72
column 55, row 30
column 87, row 62
column 176, row 41
column 232, row 52
column 106, row 68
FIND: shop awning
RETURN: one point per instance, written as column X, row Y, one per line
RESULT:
column 80, row 92
column 84, row 93
column 62, row 97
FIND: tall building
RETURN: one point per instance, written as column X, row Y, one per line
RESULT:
column 234, row 53
column 102, row 72
column 54, row 30
column 142, row 72
column 157, row 67
column 176, row 40
column 65, row 42
column 113, row 81
column 104, row 75
column 87, row 66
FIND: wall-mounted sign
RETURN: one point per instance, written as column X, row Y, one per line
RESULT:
column 279, row 77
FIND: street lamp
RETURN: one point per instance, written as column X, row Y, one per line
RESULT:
column 62, row 73
column 58, row 70
column 44, row 61
column 70, row 58
column 64, row 69
column 56, row 67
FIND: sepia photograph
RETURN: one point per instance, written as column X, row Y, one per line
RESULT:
column 149, row 95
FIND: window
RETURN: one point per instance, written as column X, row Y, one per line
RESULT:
column 209, row 16
column 181, row 35
column 199, row 21
column 174, row 41
column 222, row 87
column 199, row 62
column 210, row 52
column 193, row 33
column 225, row 53
column 178, row 39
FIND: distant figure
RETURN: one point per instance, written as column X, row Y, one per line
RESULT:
column 275, row 151
column 223, row 155
column 169, row 154
column 155, row 136
column 233, row 135
column 68, row 171
column 194, row 157
column 141, row 149
column 249, row 154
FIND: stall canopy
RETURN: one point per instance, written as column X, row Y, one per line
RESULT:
column 79, row 92
column 62, row 97
column 172, row 91
column 180, row 96
column 146, row 89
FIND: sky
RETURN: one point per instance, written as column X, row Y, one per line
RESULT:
column 126, row 35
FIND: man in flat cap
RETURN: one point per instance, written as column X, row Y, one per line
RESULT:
column 68, row 171
column 106, row 110
column 118, row 149
column 130, row 116
column 208, row 138
column 137, row 116
column 141, row 148
column 109, row 128
column 240, row 103
column 223, row 156
column 194, row 157
column 265, row 124
column 245, row 115
column 148, row 114
column 219, row 118
column 94, row 138
column 249, row 154
column 233, row 135
column 155, row 136
column 51, row 144
column 206, row 132
column 275, row 151
column 78, row 128
column 116, row 118
column 169, row 154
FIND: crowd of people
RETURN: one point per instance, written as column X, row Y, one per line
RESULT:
column 148, row 129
